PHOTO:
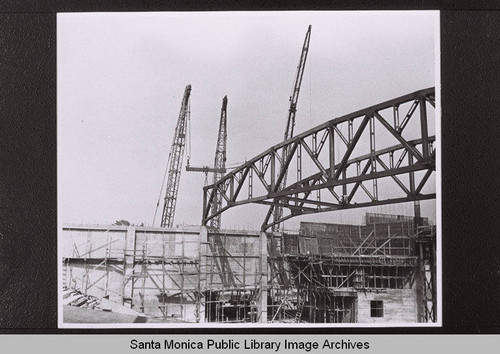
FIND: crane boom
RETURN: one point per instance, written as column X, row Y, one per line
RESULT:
column 296, row 88
column 278, row 212
column 220, row 161
column 175, row 162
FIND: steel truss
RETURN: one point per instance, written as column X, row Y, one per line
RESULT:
column 340, row 170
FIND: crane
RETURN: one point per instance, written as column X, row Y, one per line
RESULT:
column 278, row 211
column 217, row 247
column 220, row 161
column 175, row 163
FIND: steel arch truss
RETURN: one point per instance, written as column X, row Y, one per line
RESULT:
column 340, row 164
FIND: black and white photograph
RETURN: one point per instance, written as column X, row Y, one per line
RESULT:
column 249, row 169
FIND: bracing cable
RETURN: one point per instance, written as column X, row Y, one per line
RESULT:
column 161, row 189
column 189, row 131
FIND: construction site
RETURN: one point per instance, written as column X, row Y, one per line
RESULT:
column 381, row 270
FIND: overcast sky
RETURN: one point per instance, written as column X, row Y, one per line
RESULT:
column 121, row 77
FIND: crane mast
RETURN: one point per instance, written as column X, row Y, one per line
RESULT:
column 175, row 162
column 278, row 211
column 220, row 161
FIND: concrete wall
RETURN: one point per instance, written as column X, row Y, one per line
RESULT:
column 400, row 306
column 88, row 246
column 92, row 242
column 240, row 259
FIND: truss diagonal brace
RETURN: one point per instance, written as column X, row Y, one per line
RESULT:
column 398, row 136
column 351, row 147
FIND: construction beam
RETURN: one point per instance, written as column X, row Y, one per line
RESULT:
column 205, row 169
column 267, row 187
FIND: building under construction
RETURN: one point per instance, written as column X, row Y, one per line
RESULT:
column 383, row 271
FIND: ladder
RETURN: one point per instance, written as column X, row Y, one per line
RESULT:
column 300, row 309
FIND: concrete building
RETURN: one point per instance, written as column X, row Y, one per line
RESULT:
column 380, row 272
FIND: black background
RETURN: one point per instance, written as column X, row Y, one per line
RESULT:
column 470, row 57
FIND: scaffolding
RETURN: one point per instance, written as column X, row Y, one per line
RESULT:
column 328, row 264
column 154, row 272
column 232, row 279
column 315, row 275
column 426, row 241
column 172, row 279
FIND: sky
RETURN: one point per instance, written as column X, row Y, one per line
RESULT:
column 121, row 78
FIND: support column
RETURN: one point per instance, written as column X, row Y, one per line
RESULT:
column 423, row 128
column 202, row 275
column 262, row 301
column 128, row 266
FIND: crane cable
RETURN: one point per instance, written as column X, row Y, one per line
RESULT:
column 188, row 128
column 161, row 189
column 188, row 139
column 310, row 100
